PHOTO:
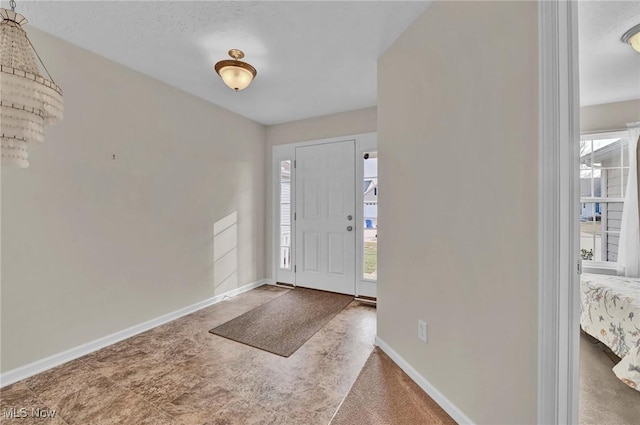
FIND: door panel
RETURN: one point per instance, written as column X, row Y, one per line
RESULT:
column 311, row 249
column 336, row 197
column 337, row 248
column 310, row 196
column 325, row 199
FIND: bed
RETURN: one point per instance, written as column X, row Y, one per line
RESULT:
column 611, row 313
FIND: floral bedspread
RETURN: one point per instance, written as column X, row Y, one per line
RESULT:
column 611, row 313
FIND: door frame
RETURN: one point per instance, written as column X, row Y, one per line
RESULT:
column 363, row 142
column 558, row 212
column 364, row 287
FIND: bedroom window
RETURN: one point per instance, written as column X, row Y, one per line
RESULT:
column 604, row 172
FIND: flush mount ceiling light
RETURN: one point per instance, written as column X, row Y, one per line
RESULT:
column 235, row 73
column 28, row 100
column 632, row 38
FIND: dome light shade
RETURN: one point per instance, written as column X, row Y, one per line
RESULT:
column 632, row 38
column 28, row 100
column 235, row 73
column 236, row 77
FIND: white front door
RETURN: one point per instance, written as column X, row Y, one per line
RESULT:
column 325, row 217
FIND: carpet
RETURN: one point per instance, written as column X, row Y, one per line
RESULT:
column 284, row 324
column 384, row 394
column 604, row 399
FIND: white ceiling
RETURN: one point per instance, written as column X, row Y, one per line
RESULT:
column 609, row 69
column 313, row 58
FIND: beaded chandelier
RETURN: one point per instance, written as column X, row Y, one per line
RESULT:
column 28, row 100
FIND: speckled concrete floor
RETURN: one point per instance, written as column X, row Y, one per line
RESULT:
column 179, row 373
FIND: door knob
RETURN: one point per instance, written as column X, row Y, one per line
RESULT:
column 349, row 228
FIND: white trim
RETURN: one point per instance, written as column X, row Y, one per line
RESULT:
column 446, row 404
column 287, row 151
column 23, row 372
column 558, row 198
column 364, row 286
column 278, row 155
column 600, row 268
column 612, row 134
column 585, row 199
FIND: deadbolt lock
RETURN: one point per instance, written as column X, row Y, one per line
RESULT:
column 349, row 217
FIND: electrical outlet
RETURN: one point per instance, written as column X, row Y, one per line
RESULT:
column 422, row 330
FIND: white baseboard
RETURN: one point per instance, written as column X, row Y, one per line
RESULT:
column 23, row 372
column 446, row 404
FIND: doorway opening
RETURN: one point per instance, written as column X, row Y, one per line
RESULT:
column 325, row 196
column 609, row 294
column 607, row 214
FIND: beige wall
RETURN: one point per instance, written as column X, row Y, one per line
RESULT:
column 92, row 245
column 335, row 125
column 458, row 145
column 609, row 116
